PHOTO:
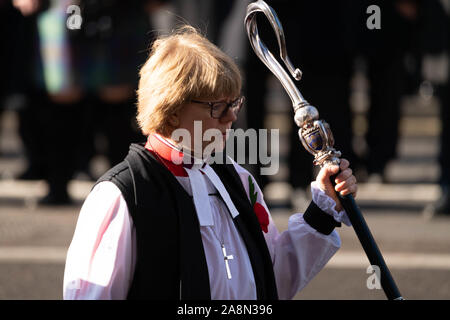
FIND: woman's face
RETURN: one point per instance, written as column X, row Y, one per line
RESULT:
column 195, row 119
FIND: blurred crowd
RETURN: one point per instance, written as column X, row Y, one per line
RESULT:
column 76, row 79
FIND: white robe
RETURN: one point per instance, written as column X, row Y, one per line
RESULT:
column 102, row 255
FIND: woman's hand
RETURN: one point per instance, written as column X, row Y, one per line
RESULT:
column 345, row 181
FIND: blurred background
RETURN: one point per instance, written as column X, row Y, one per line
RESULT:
column 69, row 71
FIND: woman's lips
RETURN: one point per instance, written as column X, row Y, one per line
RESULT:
column 226, row 133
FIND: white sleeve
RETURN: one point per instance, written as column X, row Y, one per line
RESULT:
column 328, row 205
column 101, row 257
column 299, row 253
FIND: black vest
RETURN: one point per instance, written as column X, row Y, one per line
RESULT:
column 170, row 262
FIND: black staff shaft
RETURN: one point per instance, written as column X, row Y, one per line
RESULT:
column 369, row 245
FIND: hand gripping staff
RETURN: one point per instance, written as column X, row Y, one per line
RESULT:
column 314, row 134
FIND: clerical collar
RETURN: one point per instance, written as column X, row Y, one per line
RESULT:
column 171, row 155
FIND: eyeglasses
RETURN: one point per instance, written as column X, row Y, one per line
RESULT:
column 220, row 109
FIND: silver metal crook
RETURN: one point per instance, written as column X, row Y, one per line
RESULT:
column 266, row 56
column 314, row 134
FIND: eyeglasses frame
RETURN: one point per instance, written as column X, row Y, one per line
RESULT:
column 228, row 106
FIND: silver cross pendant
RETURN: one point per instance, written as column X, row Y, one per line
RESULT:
column 226, row 258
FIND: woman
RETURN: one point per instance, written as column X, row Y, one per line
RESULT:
column 167, row 224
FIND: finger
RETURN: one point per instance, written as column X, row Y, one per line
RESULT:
column 353, row 190
column 327, row 171
column 344, row 175
column 344, row 164
column 346, row 184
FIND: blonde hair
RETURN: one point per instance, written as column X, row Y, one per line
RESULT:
column 181, row 67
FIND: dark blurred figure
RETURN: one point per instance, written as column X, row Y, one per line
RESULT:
column 6, row 23
column 5, row 32
column 22, row 77
column 96, row 69
column 442, row 206
column 392, row 54
column 320, row 41
column 107, row 51
column 436, row 39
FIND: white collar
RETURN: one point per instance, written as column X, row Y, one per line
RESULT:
column 200, row 194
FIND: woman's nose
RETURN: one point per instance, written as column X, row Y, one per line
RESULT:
column 230, row 115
